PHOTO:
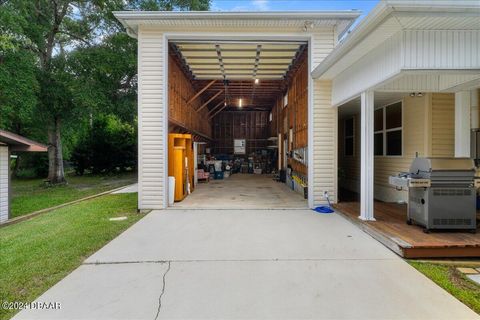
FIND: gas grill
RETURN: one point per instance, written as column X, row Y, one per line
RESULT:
column 441, row 193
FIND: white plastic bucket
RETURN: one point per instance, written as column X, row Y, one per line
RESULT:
column 218, row 165
column 171, row 190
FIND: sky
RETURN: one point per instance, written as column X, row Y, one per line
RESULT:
column 293, row 5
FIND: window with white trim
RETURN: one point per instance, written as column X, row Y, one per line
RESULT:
column 349, row 134
column 388, row 130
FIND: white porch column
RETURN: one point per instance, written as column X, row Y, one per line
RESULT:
column 367, row 156
column 4, row 183
column 462, row 124
column 475, row 111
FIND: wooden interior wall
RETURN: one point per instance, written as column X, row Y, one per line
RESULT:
column 181, row 114
column 295, row 115
column 250, row 125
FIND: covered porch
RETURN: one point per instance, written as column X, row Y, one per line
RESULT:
column 405, row 84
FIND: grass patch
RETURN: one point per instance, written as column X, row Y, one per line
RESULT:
column 29, row 195
column 456, row 283
column 37, row 253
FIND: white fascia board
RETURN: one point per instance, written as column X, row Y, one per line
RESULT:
column 131, row 19
column 249, row 15
column 379, row 14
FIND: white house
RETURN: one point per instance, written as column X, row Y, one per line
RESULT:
column 422, row 55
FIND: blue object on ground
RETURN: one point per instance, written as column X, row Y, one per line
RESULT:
column 323, row 209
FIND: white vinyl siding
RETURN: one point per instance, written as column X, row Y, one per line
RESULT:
column 4, row 184
column 441, row 49
column 151, row 120
column 443, row 125
column 325, row 126
column 324, row 143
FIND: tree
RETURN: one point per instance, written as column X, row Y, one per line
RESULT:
column 60, row 33
column 51, row 27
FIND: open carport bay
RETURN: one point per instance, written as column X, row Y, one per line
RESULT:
column 238, row 111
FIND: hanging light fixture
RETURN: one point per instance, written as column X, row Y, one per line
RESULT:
column 225, row 85
column 257, row 80
column 240, row 103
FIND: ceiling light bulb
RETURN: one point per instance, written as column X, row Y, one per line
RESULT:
column 240, row 102
column 257, row 80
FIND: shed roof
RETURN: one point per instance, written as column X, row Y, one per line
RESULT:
column 19, row 143
column 391, row 16
column 192, row 20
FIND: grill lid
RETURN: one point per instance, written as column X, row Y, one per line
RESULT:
column 425, row 167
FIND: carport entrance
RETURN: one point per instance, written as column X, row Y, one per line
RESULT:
column 238, row 113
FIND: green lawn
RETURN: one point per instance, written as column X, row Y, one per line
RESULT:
column 447, row 277
column 29, row 195
column 37, row 253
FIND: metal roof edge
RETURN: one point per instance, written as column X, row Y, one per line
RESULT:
column 125, row 16
column 300, row 15
column 11, row 138
column 371, row 21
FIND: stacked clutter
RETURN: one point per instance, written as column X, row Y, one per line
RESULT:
column 223, row 166
column 297, row 182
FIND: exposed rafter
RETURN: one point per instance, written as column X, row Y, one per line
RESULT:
column 217, row 112
column 210, row 100
column 211, row 83
column 218, row 105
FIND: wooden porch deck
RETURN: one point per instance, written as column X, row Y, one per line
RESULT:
column 410, row 241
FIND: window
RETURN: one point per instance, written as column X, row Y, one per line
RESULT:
column 349, row 137
column 388, row 130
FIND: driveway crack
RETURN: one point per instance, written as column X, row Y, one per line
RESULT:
column 163, row 290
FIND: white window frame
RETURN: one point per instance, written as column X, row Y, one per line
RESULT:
column 384, row 131
column 345, row 137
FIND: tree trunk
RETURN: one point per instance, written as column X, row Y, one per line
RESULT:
column 56, row 175
column 15, row 168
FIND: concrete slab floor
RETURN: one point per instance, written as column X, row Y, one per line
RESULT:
column 243, row 191
column 246, row 264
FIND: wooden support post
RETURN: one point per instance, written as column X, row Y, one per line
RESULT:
column 210, row 100
column 201, row 91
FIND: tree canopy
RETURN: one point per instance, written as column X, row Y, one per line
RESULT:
column 64, row 64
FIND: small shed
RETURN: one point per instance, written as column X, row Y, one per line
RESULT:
column 11, row 142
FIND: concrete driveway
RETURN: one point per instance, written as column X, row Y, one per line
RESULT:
column 247, row 264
